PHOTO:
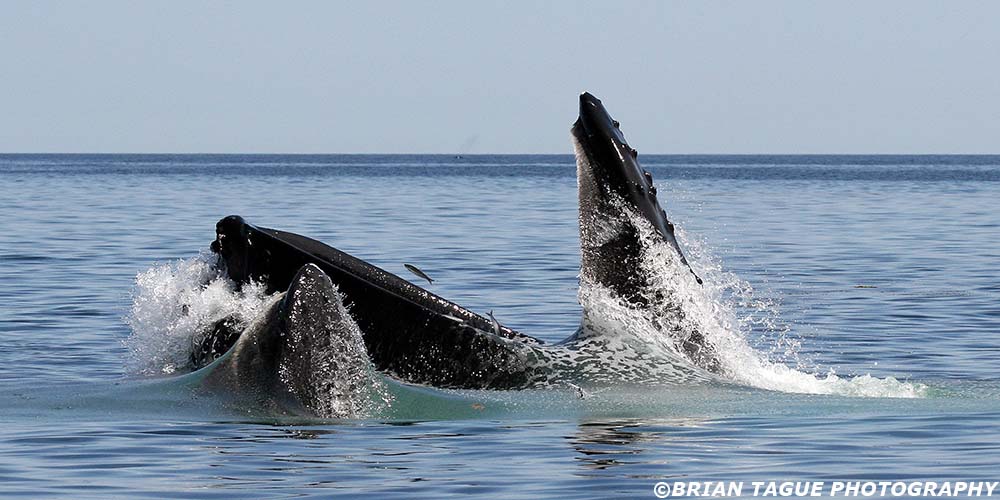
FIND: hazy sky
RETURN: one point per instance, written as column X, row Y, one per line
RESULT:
column 479, row 77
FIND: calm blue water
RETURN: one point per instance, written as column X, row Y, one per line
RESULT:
column 919, row 234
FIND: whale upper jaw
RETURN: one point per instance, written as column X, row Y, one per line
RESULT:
column 611, row 184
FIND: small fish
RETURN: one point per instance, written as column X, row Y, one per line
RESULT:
column 413, row 269
column 582, row 394
column 865, row 286
column 496, row 324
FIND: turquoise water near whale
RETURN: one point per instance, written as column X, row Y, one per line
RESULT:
column 874, row 277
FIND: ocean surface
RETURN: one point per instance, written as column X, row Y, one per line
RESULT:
column 866, row 290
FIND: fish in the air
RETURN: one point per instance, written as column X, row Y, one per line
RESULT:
column 415, row 270
column 496, row 324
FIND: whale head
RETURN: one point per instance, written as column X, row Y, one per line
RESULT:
column 616, row 196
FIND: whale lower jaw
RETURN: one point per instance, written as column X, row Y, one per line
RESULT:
column 302, row 355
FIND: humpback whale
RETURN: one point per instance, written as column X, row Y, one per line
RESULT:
column 415, row 336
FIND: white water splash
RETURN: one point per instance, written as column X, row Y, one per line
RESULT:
column 712, row 310
column 620, row 344
column 175, row 304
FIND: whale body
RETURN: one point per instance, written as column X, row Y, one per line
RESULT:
column 416, row 336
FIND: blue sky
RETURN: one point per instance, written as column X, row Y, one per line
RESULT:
column 498, row 77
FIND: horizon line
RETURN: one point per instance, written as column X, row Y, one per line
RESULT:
column 85, row 153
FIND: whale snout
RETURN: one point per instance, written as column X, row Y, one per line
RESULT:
column 612, row 182
column 231, row 242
